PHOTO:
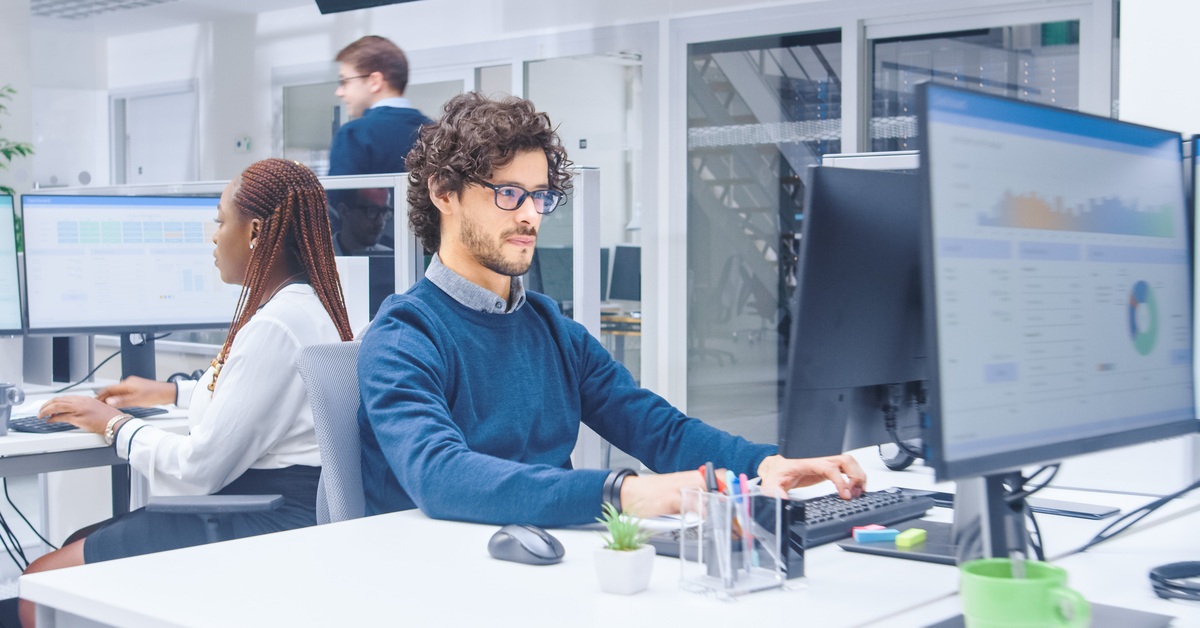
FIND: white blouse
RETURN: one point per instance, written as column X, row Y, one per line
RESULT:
column 257, row 418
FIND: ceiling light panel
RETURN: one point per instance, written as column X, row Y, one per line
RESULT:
column 80, row 9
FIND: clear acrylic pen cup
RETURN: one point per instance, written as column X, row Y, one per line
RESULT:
column 731, row 545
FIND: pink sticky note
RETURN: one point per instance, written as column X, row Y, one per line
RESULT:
column 870, row 527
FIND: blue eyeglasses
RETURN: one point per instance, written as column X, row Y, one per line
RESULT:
column 510, row 197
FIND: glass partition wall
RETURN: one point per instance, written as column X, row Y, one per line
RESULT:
column 1034, row 62
column 760, row 112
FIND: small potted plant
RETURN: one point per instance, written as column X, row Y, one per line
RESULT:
column 624, row 564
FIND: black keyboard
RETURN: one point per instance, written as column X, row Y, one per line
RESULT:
column 141, row 413
column 831, row 518
column 34, row 425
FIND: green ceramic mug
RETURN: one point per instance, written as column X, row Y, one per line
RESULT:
column 991, row 598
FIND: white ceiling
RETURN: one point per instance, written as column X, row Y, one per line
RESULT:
column 121, row 17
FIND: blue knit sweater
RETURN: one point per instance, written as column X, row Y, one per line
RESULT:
column 473, row 416
column 375, row 143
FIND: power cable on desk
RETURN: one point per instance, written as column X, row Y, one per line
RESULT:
column 1141, row 513
column 93, row 371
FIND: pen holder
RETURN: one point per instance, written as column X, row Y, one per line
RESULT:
column 730, row 545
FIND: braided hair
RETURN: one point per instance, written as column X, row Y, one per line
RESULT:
column 290, row 201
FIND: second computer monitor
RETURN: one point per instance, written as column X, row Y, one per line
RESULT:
column 10, row 292
column 97, row 264
column 857, row 321
column 1058, row 255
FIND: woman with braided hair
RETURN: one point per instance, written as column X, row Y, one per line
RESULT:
column 251, row 424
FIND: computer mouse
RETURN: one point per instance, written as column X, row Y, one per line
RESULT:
column 526, row 544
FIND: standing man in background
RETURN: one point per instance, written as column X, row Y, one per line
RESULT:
column 383, row 123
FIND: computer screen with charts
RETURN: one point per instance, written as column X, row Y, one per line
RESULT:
column 10, row 291
column 122, row 263
column 1057, row 251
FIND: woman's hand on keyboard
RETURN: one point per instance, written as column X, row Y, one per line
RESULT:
column 136, row 391
column 779, row 473
column 84, row 413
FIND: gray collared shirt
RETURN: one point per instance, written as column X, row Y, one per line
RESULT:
column 473, row 296
column 398, row 101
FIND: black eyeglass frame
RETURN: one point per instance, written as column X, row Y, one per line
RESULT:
column 342, row 81
column 562, row 197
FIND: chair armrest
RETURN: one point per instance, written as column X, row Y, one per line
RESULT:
column 214, row 504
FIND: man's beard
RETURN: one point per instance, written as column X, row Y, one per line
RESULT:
column 487, row 253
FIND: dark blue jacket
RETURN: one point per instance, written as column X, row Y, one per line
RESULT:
column 472, row 416
column 376, row 143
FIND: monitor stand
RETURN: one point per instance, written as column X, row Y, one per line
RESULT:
column 137, row 355
column 985, row 525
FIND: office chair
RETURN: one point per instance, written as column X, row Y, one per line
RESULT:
column 330, row 373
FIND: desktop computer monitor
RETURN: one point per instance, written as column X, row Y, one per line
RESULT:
column 551, row 273
column 10, row 291
column 126, row 265
column 604, row 257
column 626, row 282
column 1057, row 272
column 857, row 325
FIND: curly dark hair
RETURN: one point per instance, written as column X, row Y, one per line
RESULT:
column 474, row 137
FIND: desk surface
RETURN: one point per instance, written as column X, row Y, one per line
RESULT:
column 21, row 444
column 407, row 567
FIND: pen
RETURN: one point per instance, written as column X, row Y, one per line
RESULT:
column 710, row 478
column 729, row 481
column 749, row 553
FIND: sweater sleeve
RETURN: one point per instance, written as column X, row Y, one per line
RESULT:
column 648, row 428
column 405, row 383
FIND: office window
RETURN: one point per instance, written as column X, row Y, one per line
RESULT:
column 760, row 111
column 1034, row 62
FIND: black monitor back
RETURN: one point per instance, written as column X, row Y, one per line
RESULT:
column 857, row 321
column 626, row 273
column 604, row 274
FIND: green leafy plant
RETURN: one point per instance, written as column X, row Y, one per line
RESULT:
column 625, row 532
column 10, row 150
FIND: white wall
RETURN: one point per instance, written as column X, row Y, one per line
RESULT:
column 1158, row 57
column 16, row 70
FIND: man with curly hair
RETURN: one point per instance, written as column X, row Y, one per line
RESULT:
column 473, row 390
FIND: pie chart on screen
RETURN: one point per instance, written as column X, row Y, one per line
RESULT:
column 1143, row 318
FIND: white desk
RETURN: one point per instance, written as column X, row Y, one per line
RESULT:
column 407, row 568
column 29, row 454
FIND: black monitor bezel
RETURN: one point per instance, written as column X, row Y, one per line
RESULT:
column 113, row 329
column 932, row 433
column 16, row 261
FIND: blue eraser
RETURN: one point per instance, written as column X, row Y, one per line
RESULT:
column 875, row 536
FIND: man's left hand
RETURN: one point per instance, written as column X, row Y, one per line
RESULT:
column 779, row 473
column 85, row 413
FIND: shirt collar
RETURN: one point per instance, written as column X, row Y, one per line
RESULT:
column 471, row 295
column 398, row 101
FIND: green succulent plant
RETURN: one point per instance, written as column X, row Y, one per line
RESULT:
column 625, row 531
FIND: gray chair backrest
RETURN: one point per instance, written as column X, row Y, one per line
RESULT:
column 330, row 373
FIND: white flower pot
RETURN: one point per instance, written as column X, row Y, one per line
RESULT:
column 624, row 573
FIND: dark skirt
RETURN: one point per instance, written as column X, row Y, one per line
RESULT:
column 140, row 532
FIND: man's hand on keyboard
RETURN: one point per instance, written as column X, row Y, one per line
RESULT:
column 656, row 495
column 779, row 473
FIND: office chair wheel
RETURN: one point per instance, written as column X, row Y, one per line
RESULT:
column 895, row 459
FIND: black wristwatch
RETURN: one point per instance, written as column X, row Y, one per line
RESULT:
column 612, row 487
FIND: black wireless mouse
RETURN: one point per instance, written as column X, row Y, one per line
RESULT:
column 530, row 545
